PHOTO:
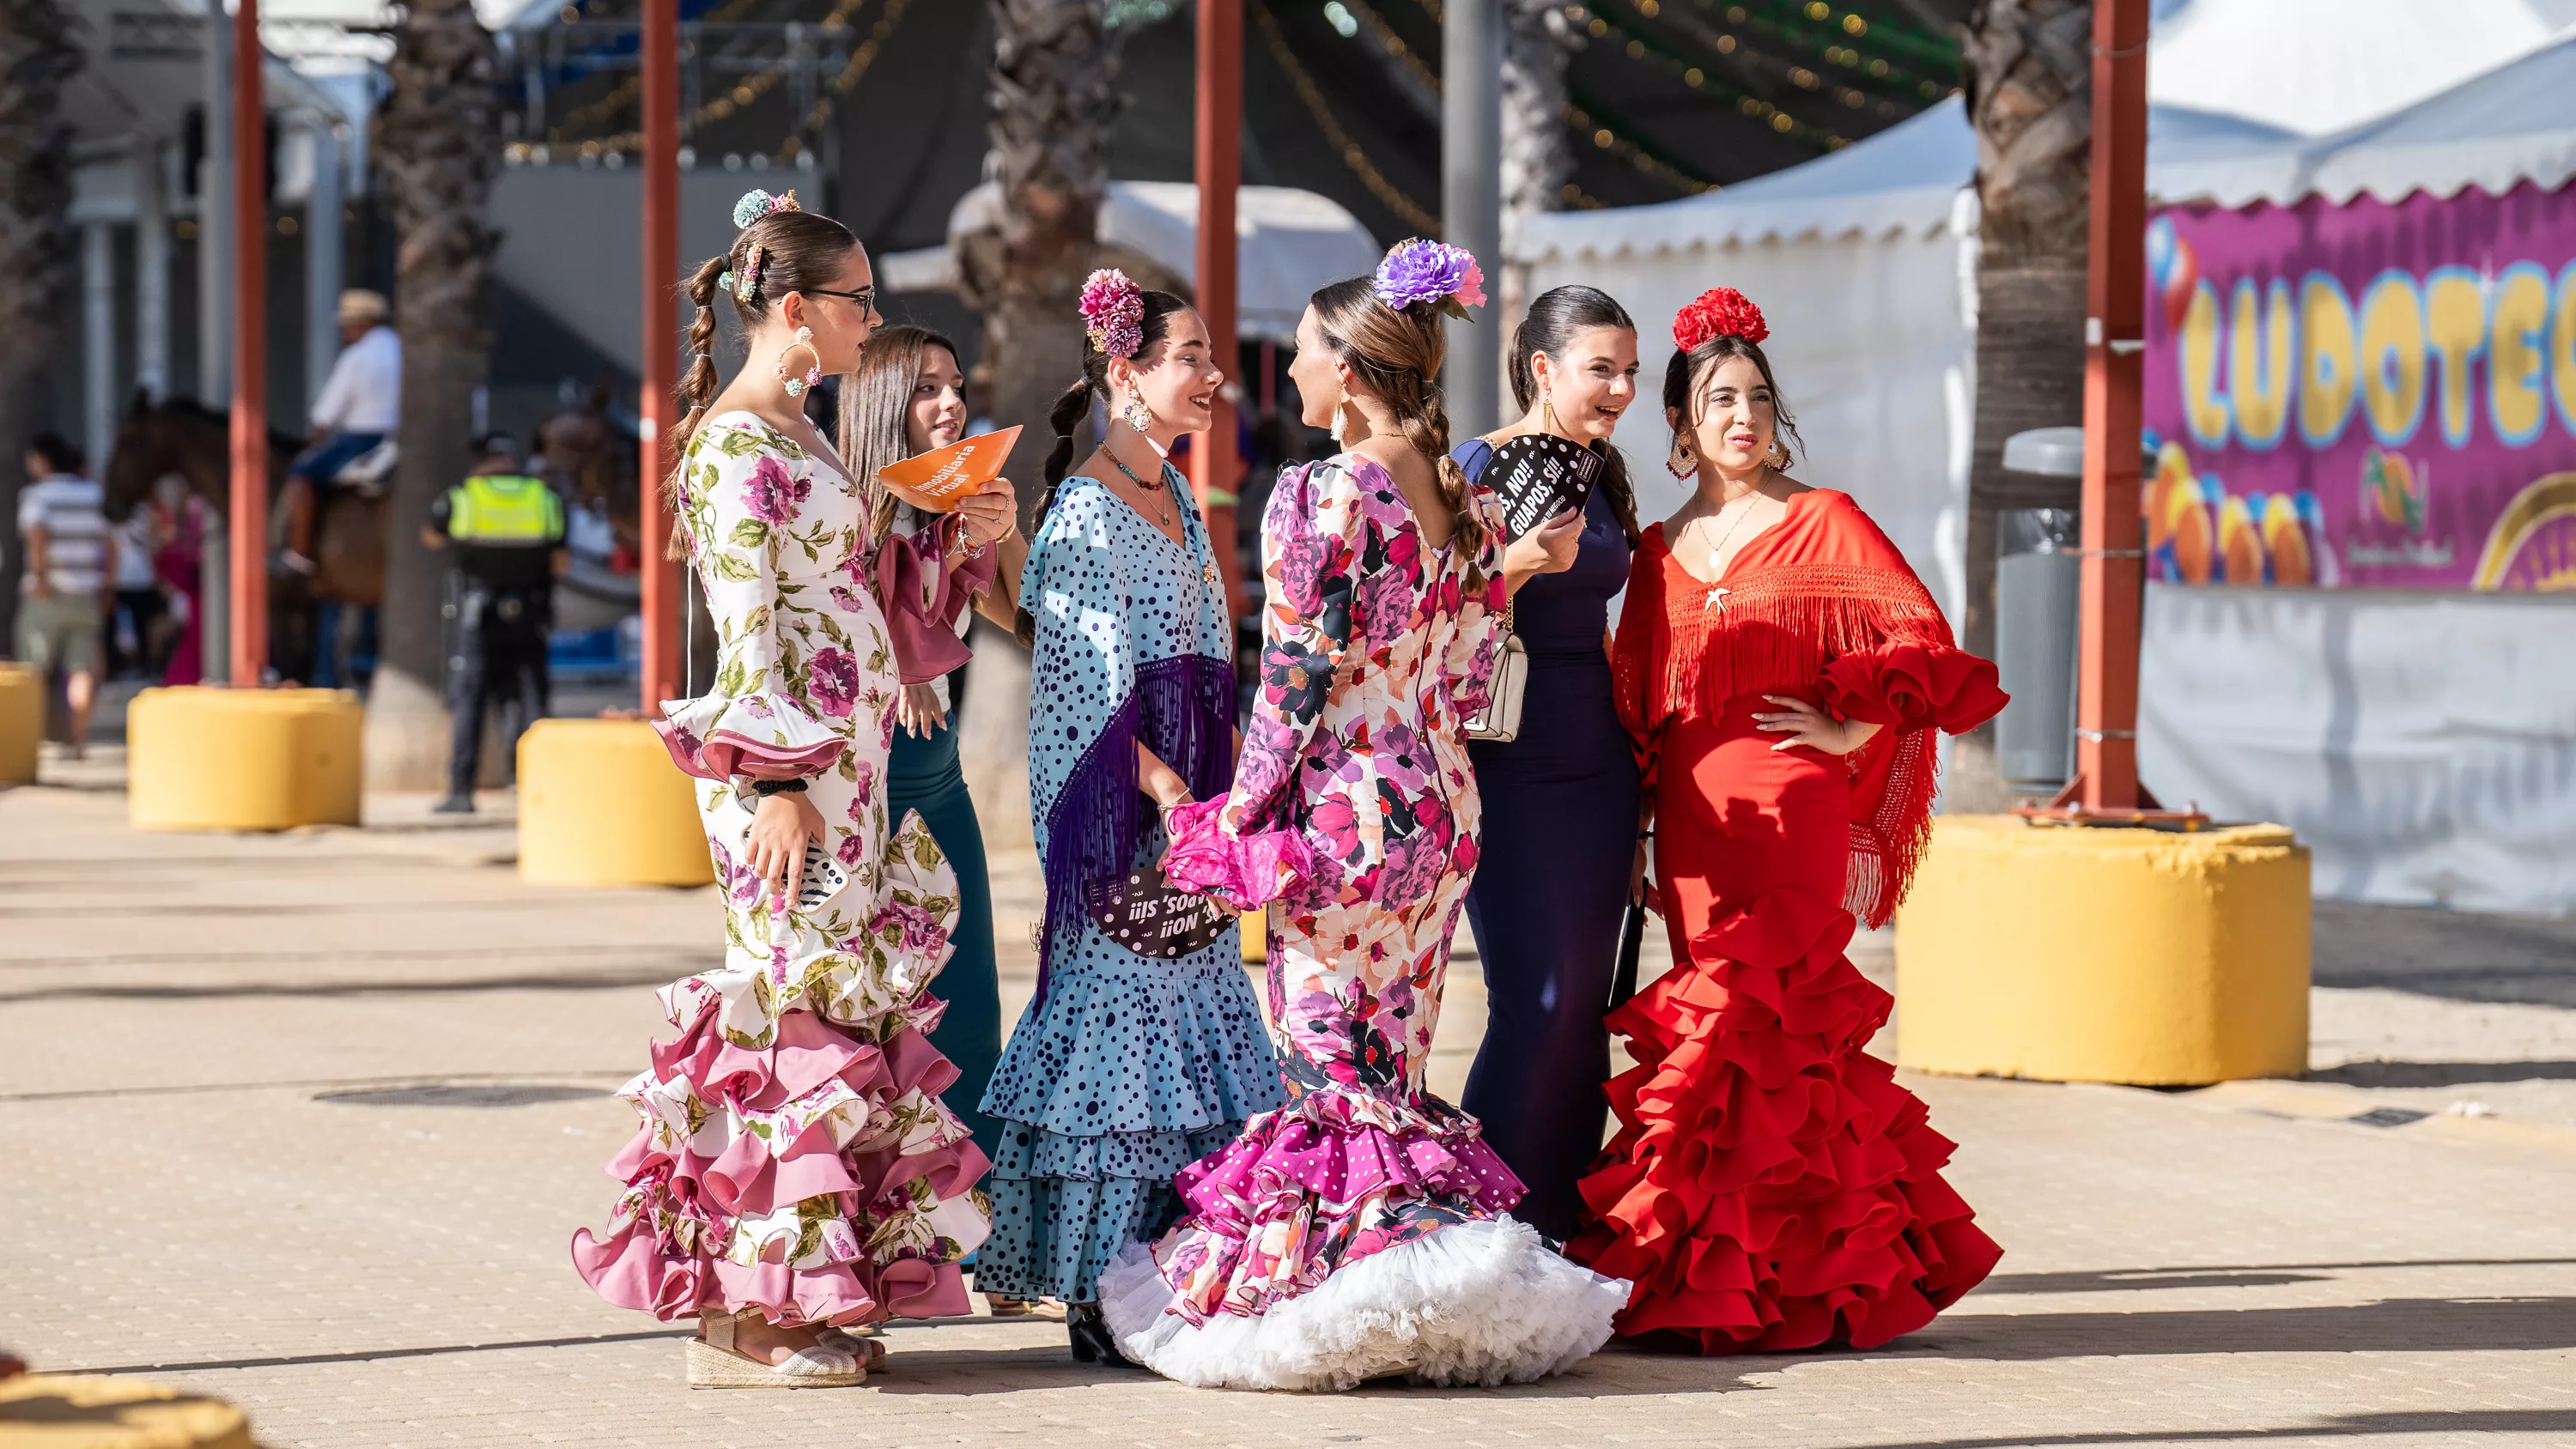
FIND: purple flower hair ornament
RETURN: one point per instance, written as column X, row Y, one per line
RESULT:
column 1113, row 312
column 1429, row 271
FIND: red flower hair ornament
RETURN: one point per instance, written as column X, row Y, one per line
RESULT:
column 1718, row 312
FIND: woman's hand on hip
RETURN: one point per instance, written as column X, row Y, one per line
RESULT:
column 919, row 711
column 780, row 826
column 1806, row 724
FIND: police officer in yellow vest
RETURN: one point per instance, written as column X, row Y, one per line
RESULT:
column 508, row 533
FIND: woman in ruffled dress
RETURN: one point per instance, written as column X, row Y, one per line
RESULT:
column 908, row 397
column 1771, row 1186
column 796, row 1173
column 1125, row 1068
column 1560, row 800
column 1359, row 1231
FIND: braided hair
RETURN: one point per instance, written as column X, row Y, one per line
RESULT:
column 1397, row 355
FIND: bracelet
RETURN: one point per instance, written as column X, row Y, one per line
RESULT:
column 766, row 788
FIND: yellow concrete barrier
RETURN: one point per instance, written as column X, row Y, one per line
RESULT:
column 601, row 804
column 2079, row 954
column 89, row 1411
column 202, row 758
column 22, row 722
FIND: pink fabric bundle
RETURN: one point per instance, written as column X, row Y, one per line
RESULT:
column 1246, row 872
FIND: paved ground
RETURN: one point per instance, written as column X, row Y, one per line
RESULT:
column 222, row 1173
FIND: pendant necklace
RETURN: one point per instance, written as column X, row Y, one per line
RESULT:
column 1154, row 489
column 1716, row 595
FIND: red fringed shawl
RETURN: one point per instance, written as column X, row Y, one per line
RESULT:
column 1820, row 604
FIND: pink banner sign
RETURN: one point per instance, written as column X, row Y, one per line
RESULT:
column 2364, row 396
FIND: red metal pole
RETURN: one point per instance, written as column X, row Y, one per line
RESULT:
column 1220, row 171
column 659, row 410
column 249, row 521
column 2106, row 701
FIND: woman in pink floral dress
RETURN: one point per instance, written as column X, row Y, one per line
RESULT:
column 1359, row 1231
column 796, row 1173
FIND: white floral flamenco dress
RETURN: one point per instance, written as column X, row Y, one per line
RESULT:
column 795, row 1159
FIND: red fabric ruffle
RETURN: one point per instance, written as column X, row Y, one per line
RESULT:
column 1914, row 686
column 1771, row 1186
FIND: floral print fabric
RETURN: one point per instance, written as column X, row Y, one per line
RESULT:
column 795, row 1156
column 1376, row 646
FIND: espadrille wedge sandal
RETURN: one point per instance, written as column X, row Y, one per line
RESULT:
column 714, row 1363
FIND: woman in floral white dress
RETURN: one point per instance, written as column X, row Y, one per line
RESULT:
column 1359, row 1230
column 796, row 1173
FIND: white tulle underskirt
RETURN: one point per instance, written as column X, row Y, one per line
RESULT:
column 1482, row 1302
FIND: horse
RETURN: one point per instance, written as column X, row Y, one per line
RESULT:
column 351, row 526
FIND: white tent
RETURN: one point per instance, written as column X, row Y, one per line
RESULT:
column 2513, row 124
column 1288, row 243
column 2318, row 66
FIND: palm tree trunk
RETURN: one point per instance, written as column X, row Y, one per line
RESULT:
column 1054, row 96
column 37, row 258
column 438, row 141
column 2030, row 95
column 1538, row 160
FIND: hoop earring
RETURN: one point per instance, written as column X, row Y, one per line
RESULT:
column 1778, row 458
column 795, row 385
column 1680, row 463
column 1135, row 414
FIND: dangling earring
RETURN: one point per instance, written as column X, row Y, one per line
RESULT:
column 1778, row 457
column 813, row 375
column 1681, row 464
column 1135, row 414
column 1341, row 423
column 1546, row 413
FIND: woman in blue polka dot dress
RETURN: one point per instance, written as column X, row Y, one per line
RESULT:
column 1124, row 1069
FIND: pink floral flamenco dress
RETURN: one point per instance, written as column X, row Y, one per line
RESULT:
column 795, row 1159
column 1360, row 1230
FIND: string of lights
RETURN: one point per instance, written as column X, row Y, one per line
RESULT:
column 1935, row 64
column 1352, row 154
column 623, row 94
column 1647, row 49
column 752, row 87
column 860, row 59
column 1875, row 73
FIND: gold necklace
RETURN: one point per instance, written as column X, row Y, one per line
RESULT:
column 1717, row 594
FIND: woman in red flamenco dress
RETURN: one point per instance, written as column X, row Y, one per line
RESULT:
column 1782, row 670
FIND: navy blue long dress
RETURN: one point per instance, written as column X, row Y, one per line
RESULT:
column 1560, row 835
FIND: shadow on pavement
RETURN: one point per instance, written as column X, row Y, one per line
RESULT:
column 2465, row 1421
column 2228, row 1275
column 2442, row 1074
column 2461, row 955
column 2411, row 1325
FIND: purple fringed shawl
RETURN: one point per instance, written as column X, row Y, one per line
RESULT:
column 1183, row 709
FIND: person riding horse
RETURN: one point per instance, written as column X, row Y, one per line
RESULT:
column 360, row 406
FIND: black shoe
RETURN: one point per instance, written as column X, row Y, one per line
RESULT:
column 454, row 805
column 1092, row 1341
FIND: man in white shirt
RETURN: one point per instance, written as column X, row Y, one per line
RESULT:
column 71, row 557
column 360, row 406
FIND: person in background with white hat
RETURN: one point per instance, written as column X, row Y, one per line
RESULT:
column 359, row 407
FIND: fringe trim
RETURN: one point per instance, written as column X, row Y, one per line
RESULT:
column 1183, row 710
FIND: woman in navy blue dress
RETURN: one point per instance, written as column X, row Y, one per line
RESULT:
column 1560, row 830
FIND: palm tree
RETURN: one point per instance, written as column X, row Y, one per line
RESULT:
column 1538, row 160
column 1053, row 98
column 2030, row 96
column 437, row 144
column 37, row 258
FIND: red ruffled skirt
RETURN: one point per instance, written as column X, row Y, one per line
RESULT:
column 1771, row 1186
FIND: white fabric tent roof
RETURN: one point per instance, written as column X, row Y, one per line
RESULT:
column 1905, row 180
column 1288, row 243
column 2513, row 124
column 2319, row 66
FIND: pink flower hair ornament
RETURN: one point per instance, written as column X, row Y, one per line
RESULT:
column 1113, row 313
column 1417, row 271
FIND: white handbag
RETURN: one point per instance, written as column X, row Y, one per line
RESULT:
column 1499, row 722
